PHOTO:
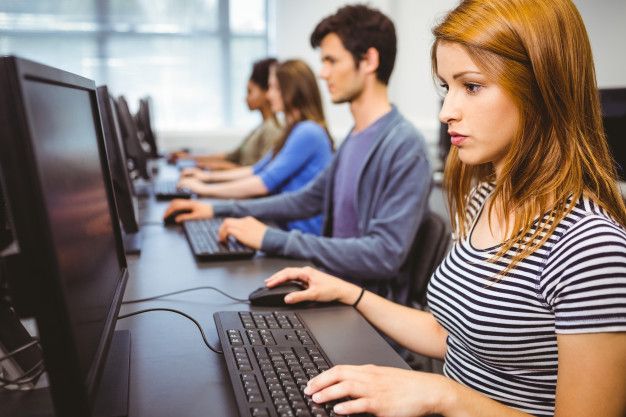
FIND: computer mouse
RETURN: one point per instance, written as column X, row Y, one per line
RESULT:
column 275, row 296
column 170, row 220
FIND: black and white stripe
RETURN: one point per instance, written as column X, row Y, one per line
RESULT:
column 502, row 332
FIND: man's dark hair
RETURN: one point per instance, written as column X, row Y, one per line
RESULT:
column 360, row 27
column 261, row 72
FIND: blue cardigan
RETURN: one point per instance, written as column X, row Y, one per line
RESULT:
column 306, row 153
column 393, row 189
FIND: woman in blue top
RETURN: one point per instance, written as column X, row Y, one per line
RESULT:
column 299, row 155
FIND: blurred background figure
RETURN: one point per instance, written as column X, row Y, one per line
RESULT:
column 260, row 140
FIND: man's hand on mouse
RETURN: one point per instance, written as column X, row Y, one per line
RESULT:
column 198, row 210
column 322, row 287
column 247, row 230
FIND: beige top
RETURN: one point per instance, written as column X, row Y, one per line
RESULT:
column 256, row 144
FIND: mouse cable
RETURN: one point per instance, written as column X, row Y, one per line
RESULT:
column 171, row 310
column 140, row 300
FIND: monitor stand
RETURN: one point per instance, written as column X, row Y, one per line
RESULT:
column 132, row 243
column 112, row 397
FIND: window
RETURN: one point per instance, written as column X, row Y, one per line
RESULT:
column 192, row 57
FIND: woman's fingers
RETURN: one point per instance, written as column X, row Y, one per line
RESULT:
column 343, row 389
column 328, row 378
column 300, row 296
column 356, row 406
column 287, row 274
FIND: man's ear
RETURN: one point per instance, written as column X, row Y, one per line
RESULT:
column 370, row 61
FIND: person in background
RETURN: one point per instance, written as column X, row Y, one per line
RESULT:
column 261, row 139
column 528, row 310
column 303, row 151
column 375, row 192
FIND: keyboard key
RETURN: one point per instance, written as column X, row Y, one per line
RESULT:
column 259, row 412
column 252, row 398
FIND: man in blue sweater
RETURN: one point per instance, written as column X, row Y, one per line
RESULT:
column 375, row 191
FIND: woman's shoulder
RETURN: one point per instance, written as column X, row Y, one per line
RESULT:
column 270, row 125
column 587, row 216
column 587, row 231
column 308, row 129
column 308, row 126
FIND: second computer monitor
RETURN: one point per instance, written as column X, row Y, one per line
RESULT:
column 144, row 124
column 122, row 184
column 134, row 150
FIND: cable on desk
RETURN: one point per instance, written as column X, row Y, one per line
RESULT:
column 19, row 349
column 28, row 377
column 140, row 300
column 171, row 310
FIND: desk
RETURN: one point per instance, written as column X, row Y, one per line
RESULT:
column 172, row 371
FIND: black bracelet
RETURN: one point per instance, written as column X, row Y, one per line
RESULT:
column 359, row 299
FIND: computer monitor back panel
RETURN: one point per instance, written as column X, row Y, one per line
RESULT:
column 65, row 223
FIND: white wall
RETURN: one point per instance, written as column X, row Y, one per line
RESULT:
column 411, row 86
column 606, row 26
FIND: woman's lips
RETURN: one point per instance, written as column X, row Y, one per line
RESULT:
column 456, row 138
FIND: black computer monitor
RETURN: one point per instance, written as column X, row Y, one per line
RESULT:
column 71, row 270
column 613, row 102
column 134, row 150
column 122, row 184
column 144, row 125
column 6, row 237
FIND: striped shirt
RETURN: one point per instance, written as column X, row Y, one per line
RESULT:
column 502, row 332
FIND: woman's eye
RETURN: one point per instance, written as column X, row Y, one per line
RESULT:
column 472, row 88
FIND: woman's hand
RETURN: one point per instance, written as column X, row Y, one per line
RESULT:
column 196, row 173
column 379, row 390
column 177, row 155
column 194, row 184
column 190, row 172
column 320, row 286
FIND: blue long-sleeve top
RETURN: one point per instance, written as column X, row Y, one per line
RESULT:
column 306, row 153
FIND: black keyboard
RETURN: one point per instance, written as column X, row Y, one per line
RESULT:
column 202, row 237
column 270, row 357
column 168, row 190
